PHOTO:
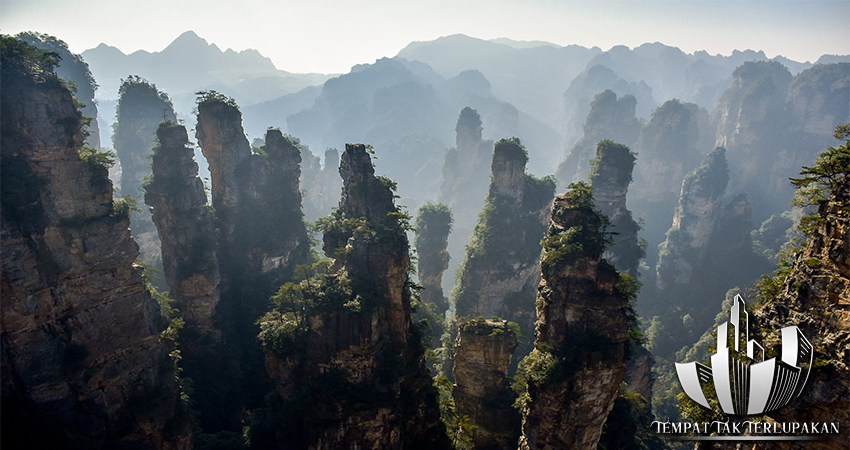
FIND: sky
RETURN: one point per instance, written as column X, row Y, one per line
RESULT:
column 331, row 36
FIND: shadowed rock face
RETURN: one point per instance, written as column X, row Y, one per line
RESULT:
column 611, row 173
column 482, row 355
column 816, row 298
column 360, row 342
column 581, row 343
column 224, row 145
column 178, row 205
column 261, row 239
column 500, row 272
column 82, row 354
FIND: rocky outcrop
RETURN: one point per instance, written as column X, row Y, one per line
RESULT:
column 500, row 272
column 433, row 225
column 141, row 107
column 610, row 176
column 224, row 145
column 178, row 205
column 84, row 360
column 261, row 239
column 819, row 99
column 321, row 181
column 670, row 146
column 708, row 249
column 581, row 343
column 482, row 355
column 465, row 179
column 73, row 68
column 694, row 222
column 755, row 101
column 349, row 365
column 815, row 296
column 609, row 118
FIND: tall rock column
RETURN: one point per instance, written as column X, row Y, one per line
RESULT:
column 348, row 363
column 84, row 360
column 465, row 179
column 224, row 145
column 482, row 356
column 261, row 239
column 500, row 272
column 178, row 205
column 141, row 107
column 581, row 344
column 610, row 175
column 433, row 225
column 694, row 222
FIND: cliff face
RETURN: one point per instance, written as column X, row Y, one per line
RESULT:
column 500, row 272
column 815, row 296
column 82, row 353
column 708, row 249
column 609, row 118
column 610, row 176
column 141, row 107
column 670, row 145
column 771, row 122
column 694, row 222
column 483, row 353
column 348, row 364
column 178, row 204
column 433, row 225
column 581, row 343
column 224, row 145
column 73, row 68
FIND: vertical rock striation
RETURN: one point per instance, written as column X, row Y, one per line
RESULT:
column 694, row 222
column 609, row 118
column 610, row 176
column 500, row 272
column 84, row 360
column 581, row 344
column 483, row 353
column 348, row 363
column 178, row 206
column 433, row 225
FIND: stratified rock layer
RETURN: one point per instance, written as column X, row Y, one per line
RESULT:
column 581, row 344
column 83, row 358
column 482, row 355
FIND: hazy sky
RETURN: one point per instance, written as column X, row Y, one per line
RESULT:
column 331, row 36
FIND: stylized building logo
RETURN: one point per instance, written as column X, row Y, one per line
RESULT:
column 745, row 383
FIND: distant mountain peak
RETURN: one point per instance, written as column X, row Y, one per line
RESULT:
column 188, row 41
